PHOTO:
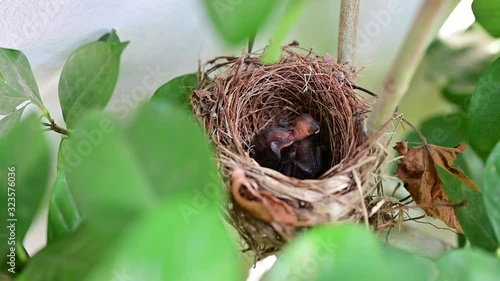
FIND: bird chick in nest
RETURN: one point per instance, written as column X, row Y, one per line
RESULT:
column 304, row 159
column 268, row 143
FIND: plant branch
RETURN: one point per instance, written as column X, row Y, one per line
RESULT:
column 429, row 19
column 348, row 27
column 56, row 128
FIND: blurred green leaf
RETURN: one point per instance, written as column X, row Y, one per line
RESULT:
column 163, row 246
column 272, row 54
column 333, row 253
column 89, row 78
column 472, row 216
column 64, row 216
column 71, row 257
column 177, row 91
column 491, row 190
column 484, row 117
column 27, row 151
column 457, row 62
column 486, row 13
column 449, row 130
column 123, row 173
column 237, row 20
column 17, row 83
column 10, row 120
column 111, row 37
column 468, row 265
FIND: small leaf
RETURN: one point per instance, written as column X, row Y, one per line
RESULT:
column 10, row 120
column 468, row 265
column 491, row 190
column 237, row 20
column 272, row 54
column 484, row 116
column 24, row 166
column 177, row 91
column 111, row 37
column 486, row 13
column 472, row 216
column 17, row 82
column 89, row 78
column 64, row 216
column 328, row 253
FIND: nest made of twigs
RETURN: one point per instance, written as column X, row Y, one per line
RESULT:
column 240, row 96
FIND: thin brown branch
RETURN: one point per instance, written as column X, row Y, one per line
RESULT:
column 52, row 126
column 348, row 27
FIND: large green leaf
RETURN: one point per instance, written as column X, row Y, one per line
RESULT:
column 486, row 13
column 346, row 252
column 17, row 83
column 70, row 257
column 123, row 174
column 10, row 120
column 177, row 91
column 24, row 166
column 472, row 216
column 491, row 190
column 237, row 20
column 163, row 246
column 484, row 114
column 468, row 265
column 64, row 215
column 89, row 78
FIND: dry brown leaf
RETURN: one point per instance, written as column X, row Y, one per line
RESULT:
column 421, row 179
column 260, row 204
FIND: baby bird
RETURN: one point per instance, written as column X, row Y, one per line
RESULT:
column 305, row 160
column 269, row 142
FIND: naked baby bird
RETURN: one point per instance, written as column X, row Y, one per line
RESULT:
column 305, row 159
column 268, row 143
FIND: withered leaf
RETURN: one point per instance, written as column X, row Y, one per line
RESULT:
column 421, row 179
column 260, row 204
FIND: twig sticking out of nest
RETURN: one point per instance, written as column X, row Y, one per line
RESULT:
column 239, row 97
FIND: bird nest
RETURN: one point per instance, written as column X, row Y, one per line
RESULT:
column 240, row 96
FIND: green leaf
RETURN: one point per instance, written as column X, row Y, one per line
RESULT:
column 272, row 54
column 486, row 13
column 10, row 120
column 24, row 166
column 468, row 265
column 89, row 78
column 329, row 253
column 484, row 114
column 70, row 257
column 491, row 190
column 177, row 91
column 64, row 215
column 120, row 174
column 152, row 249
column 111, row 37
column 472, row 216
column 237, row 20
column 17, row 83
